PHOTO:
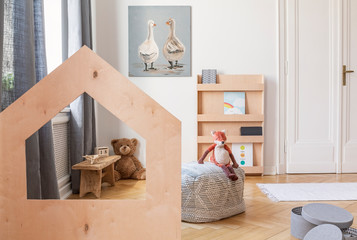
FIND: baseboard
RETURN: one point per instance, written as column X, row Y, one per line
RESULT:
column 67, row 195
column 66, row 191
column 282, row 168
column 269, row 170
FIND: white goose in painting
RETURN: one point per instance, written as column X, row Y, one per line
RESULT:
column 148, row 50
column 173, row 49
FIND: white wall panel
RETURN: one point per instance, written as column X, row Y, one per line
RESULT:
column 312, row 86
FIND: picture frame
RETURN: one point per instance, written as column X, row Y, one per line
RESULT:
column 159, row 41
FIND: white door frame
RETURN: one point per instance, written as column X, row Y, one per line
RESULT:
column 348, row 144
column 283, row 67
column 339, row 61
column 281, row 162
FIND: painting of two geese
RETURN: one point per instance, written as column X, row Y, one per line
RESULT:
column 159, row 41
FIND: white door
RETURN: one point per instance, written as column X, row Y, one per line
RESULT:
column 313, row 88
column 349, row 116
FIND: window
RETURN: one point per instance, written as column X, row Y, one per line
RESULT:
column 53, row 33
column 60, row 123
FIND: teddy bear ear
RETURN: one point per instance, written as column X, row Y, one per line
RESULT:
column 213, row 132
column 134, row 141
column 114, row 141
column 224, row 131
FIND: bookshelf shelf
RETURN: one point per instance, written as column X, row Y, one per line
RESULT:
column 255, row 170
column 233, row 139
column 210, row 114
column 230, row 118
column 252, row 87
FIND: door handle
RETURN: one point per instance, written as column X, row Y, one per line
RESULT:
column 344, row 71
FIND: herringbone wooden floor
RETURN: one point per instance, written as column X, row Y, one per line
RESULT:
column 263, row 218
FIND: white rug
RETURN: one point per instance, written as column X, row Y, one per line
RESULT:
column 309, row 191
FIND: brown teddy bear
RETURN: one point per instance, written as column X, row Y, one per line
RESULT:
column 128, row 166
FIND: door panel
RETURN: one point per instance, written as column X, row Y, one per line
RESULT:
column 349, row 117
column 311, row 86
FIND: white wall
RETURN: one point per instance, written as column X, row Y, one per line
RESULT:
column 232, row 36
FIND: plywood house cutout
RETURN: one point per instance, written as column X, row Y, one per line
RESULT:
column 156, row 217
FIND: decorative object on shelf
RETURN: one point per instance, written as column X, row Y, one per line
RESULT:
column 251, row 131
column 209, row 76
column 102, row 151
column 128, row 166
column 221, row 155
column 159, row 41
column 234, row 102
column 243, row 153
column 93, row 159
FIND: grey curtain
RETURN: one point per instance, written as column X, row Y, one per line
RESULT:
column 23, row 65
column 1, row 47
column 82, row 123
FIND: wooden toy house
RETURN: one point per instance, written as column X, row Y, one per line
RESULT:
column 156, row 217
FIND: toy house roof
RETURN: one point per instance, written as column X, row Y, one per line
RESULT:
column 156, row 217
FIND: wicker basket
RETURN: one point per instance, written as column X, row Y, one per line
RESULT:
column 208, row 195
column 350, row 233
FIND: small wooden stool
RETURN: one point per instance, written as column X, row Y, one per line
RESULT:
column 92, row 175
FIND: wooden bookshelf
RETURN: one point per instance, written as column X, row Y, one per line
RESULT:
column 210, row 114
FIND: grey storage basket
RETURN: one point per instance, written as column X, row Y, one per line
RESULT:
column 325, row 232
column 313, row 215
column 299, row 226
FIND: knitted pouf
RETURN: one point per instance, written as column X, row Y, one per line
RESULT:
column 208, row 195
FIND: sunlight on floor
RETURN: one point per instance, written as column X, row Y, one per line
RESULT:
column 123, row 189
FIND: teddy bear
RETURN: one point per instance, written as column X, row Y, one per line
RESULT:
column 128, row 166
column 221, row 155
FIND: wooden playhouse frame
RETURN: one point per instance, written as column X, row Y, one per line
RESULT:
column 156, row 217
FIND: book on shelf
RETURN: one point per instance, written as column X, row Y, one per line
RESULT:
column 251, row 131
column 209, row 76
column 243, row 153
column 234, row 102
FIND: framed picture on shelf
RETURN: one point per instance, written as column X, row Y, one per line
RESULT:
column 243, row 152
column 234, row 102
